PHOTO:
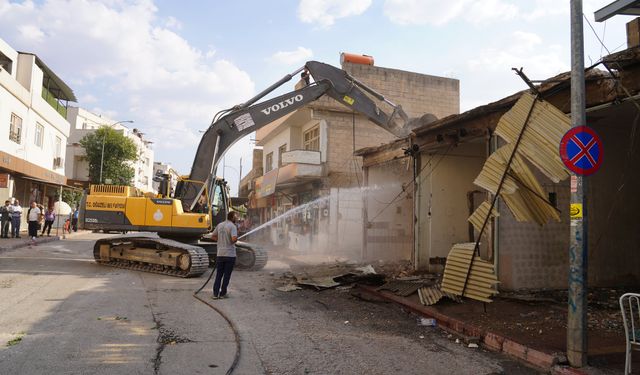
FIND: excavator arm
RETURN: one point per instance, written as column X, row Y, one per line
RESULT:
column 230, row 126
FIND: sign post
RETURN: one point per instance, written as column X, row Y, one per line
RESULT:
column 577, row 309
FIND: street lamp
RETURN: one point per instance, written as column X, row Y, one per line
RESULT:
column 104, row 138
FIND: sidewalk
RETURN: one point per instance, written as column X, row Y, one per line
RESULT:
column 532, row 331
column 24, row 240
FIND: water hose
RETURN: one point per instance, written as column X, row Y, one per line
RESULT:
column 236, row 333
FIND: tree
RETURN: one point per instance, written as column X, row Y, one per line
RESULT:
column 119, row 153
column 71, row 197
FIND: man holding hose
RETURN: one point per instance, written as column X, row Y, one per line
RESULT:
column 226, row 235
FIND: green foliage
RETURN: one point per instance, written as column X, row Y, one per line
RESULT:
column 119, row 151
column 71, row 197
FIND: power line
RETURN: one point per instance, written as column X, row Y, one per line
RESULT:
column 412, row 181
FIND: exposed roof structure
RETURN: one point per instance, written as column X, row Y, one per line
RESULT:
column 53, row 83
column 622, row 7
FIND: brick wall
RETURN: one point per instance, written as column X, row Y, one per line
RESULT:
column 531, row 256
column 418, row 94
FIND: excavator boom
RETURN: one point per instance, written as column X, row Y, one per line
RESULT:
column 248, row 117
column 118, row 208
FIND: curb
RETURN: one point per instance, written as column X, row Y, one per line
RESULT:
column 490, row 340
column 27, row 242
column 565, row 370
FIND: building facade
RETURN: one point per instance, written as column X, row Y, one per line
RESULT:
column 34, row 129
column 160, row 168
column 311, row 176
column 84, row 122
column 525, row 254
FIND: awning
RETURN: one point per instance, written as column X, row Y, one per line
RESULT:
column 46, row 182
column 623, row 7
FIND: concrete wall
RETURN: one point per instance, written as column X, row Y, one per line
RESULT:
column 443, row 209
column 272, row 146
column 346, row 221
column 389, row 231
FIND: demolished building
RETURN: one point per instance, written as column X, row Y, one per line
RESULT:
column 447, row 155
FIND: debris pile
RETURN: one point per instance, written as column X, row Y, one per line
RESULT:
column 328, row 276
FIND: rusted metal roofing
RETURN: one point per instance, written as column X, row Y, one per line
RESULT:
column 462, row 265
column 477, row 218
column 541, row 138
column 521, row 191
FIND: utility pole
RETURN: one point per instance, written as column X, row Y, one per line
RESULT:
column 240, row 176
column 577, row 317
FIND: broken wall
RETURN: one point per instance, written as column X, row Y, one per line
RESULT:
column 443, row 206
column 389, row 212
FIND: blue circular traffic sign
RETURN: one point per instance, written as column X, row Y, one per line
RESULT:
column 581, row 150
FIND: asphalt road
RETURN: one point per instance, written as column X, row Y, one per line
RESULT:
column 60, row 313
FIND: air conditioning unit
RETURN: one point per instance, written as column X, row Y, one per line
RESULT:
column 57, row 162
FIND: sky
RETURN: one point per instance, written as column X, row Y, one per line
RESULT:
column 171, row 65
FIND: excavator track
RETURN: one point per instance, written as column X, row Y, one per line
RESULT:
column 250, row 257
column 151, row 254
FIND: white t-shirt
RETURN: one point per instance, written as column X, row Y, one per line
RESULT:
column 34, row 213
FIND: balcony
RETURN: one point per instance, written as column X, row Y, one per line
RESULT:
column 302, row 157
column 300, row 166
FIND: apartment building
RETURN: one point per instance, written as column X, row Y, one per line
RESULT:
column 160, row 168
column 84, row 122
column 33, row 128
column 308, row 156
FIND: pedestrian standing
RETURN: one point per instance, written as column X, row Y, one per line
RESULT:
column 74, row 219
column 226, row 236
column 16, row 216
column 49, row 218
column 33, row 214
column 5, row 219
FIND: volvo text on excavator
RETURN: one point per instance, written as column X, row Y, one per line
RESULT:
column 201, row 200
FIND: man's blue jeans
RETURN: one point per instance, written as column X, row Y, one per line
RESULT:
column 224, row 267
column 15, row 226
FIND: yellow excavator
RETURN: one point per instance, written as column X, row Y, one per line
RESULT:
column 183, row 219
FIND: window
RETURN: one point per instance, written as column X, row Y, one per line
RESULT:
column 311, row 139
column 15, row 128
column 268, row 162
column 281, row 150
column 39, row 135
column 58, row 147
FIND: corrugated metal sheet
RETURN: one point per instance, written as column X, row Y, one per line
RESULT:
column 402, row 288
column 521, row 191
column 482, row 279
column 541, row 139
column 477, row 218
column 432, row 294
